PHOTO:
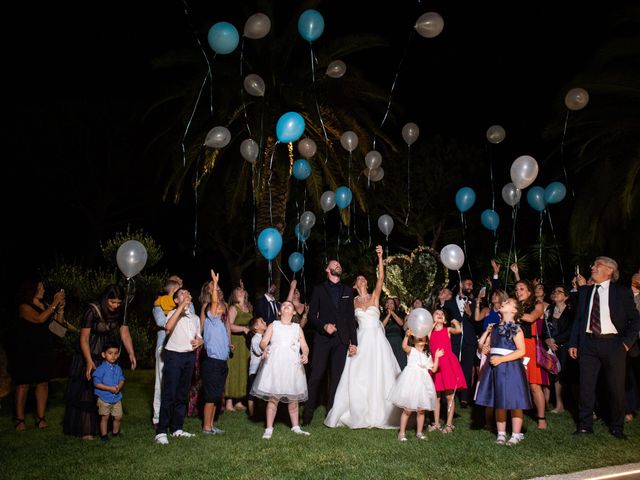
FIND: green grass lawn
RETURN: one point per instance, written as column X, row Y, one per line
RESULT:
column 328, row 453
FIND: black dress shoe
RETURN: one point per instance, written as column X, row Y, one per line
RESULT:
column 618, row 434
column 583, row 431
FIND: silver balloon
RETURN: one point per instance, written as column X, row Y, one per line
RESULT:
column 375, row 175
column 307, row 220
column 429, row 24
column 524, row 171
column 218, row 137
column 373, row 159
column 420, row 322
column 496, row 134
column 576, row 99
column 336, row 69
column 385, row 224
column 131, row 258
column 452, row 256
column 257, row 26
column 511, row 195
column 249, row 150
column 307, row 147
column 410, row 133
column 254, row 85
column 328, row 200
column 349, row 141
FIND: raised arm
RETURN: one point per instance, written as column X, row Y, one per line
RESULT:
column 292, row 289
column 378, row 290
column 537, row 312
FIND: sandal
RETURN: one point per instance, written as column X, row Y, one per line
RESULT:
column 20, row 425
column 542, row 419
column 433, row 427
column 448, row 428
column 39, row 421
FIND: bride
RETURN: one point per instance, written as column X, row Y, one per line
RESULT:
column 361, row 397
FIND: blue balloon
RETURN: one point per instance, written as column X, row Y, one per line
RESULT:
column 343, row 197
column 311, row 25
column 269, row 243
column 301, row 169
column 301, row 233
column 223, row 37
column 290, row 127
column 465, row 198
column 296, row 261
column 535, row 197
column 555, row 192
column 490, row 219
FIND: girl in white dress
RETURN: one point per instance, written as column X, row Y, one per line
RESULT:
column 281, row 377
column 368, row 376
column 414, row 390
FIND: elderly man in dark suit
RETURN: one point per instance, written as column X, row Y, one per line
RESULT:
column 605, row 328
column 331, row 313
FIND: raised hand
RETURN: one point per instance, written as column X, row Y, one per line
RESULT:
column 514, row 268
column 495, row 266
column 214, row 276
column 379, row 250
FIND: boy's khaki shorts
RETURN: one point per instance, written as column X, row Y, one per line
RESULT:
column 113, row 409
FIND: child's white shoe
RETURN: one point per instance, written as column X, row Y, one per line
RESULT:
column 515, row 439
column 420, row 436
column 501, row 439
column 161, row 439
column 299, row 431
column 402, row 437
column 182, row 433
column 267, row 433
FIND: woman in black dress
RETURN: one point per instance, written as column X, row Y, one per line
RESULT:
column 32, row 359
column 103, row 321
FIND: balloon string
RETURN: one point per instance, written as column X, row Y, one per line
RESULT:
column 242, row 92
column 284, row 274
column 195, row 214
column 339, row 232
column 315, row 95
column 393, row 85
column 126, row 301
column 324, row 222
column 555, row 239
column 461, row 326
column 493, row 190
column 512, row 244
column 564, row 133
column 369, row 227
column 406, row 220
column 195, row 107
column 269, row 180
column 253, row 194
column 540, row 249
column 495, row 243
column 269, row 275
column 386, row 247
column 464, row 241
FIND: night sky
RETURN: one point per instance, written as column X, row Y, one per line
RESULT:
column 79, row 70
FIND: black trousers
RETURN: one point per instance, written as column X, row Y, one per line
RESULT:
column 606, row 354
column 328, row 353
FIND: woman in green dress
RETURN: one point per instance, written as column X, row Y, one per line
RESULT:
column 393, row 323
column 240, row 313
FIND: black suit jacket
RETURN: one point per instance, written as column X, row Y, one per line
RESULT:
column 263, row 309
column 322, row 310
column 623, row 312
column 468, row 325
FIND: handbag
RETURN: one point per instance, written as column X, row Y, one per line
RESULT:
column 57, row 328
column 546, row 358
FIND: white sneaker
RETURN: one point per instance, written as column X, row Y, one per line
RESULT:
column 402, row 437
column 515, row 439
column 267, row 433
column 299, row 431
column 501, row 439
column 161, row 439
column 420, row 436
column 182, row 433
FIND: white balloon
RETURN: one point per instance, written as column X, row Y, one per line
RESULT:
column 307, row 147
column 254, row 85
column 336, row 69
column 576, row 99
column 218, row 137
column 410, row 133
column 452, row 256
column 524, row 171
column 349, row 141
column 249, row 150
column 131, row 258
column 257, row 26
column 511, row 195
column 429, row 24
column 385, row 224
column 373, row 159
column 496, row 134
column 420, row 322
column 307, row 220
column 375, row 175
column 328, row 200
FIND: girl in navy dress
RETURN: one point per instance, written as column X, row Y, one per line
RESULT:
column 503, row 383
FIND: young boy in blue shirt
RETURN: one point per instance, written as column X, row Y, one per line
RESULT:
column 108, row 381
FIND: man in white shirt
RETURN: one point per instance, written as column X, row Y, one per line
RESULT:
column 184, row 337
column 605, row 328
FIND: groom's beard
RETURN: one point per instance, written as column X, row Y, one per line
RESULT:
column 335, row 273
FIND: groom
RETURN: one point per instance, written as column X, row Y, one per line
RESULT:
column 332, row 316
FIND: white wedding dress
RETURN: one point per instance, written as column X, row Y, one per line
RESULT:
column 367, row 378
